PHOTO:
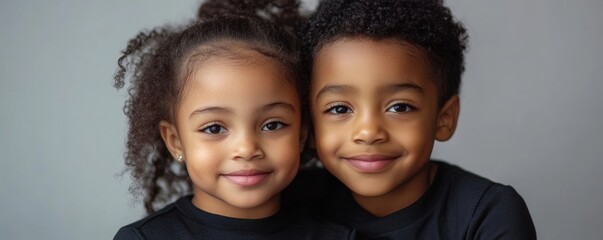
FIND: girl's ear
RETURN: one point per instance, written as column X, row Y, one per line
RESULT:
column 447, row 119
column 171, row 139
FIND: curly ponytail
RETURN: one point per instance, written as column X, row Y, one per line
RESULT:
column 285, row 13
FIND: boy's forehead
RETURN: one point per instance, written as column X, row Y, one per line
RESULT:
column 352, row 47
column 365, row 63
column 378, row 56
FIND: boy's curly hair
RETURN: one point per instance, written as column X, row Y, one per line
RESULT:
column 426, row 24
column 156, row 62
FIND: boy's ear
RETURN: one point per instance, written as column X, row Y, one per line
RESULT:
column 171, row 139
column 447, row 119
column 303, row 137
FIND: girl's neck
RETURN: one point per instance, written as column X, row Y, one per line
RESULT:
column 217, row 206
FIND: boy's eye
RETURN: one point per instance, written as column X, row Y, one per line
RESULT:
column 272, row 126
column 339, row 109
column 214, row 129
column 401, row 108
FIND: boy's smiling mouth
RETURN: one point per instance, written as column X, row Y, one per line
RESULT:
column 371, row 163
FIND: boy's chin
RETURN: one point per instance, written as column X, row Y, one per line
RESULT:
column 398, row 183
column 369, row 189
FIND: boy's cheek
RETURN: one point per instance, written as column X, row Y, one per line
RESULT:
column 328, row 139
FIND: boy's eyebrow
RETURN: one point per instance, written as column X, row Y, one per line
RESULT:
column 210, row 110
column 334, row 89
column 393, row 88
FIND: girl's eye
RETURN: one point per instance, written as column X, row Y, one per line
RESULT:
column 272, row 126
column 401, row 108
column 214, row 129
column 339, row 109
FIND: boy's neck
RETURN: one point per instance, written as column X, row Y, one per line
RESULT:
column 402, row 196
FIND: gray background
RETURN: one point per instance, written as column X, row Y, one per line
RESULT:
column 530, row 111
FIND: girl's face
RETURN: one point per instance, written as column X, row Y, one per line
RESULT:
column 375, row 115
column 238, row 127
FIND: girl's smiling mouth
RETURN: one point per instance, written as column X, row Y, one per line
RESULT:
column 247, row 178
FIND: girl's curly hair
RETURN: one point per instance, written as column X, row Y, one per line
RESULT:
column 156, row 62
column 427, row 24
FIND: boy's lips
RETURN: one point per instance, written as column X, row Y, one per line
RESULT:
column 371, row 163
column 247, row 178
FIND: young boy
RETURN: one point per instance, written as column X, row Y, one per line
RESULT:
column 385, row 78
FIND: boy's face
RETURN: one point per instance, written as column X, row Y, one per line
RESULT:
column 238, row 127
column 375, row 114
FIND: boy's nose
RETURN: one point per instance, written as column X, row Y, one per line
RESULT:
column 247, row 148
column 369, row 130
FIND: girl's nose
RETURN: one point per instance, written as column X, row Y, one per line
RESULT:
column 246, row 147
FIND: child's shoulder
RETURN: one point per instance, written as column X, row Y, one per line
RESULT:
column 483, row 205
column 181, row 220
column 458, row 186
column 467, row 184
column 150, row 225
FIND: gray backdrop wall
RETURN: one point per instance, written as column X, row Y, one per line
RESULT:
column 531, row 114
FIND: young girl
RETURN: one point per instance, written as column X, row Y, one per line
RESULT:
column 215, row 108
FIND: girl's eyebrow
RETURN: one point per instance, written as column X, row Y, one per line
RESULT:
column 218, row 109
column 274, row 105
column 335, row 89
column 210, row 110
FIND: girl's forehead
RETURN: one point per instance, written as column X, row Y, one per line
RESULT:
column 228, row 51
column 256, row 71
column 240, row 88
column 228, row 57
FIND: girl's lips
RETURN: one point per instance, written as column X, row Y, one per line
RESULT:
column 247, row 178
column 372, row 163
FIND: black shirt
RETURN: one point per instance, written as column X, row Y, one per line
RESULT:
column 457, row 205
column 182, row 220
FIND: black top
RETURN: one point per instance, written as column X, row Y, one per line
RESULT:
column 182, row 220
column 457, row 205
